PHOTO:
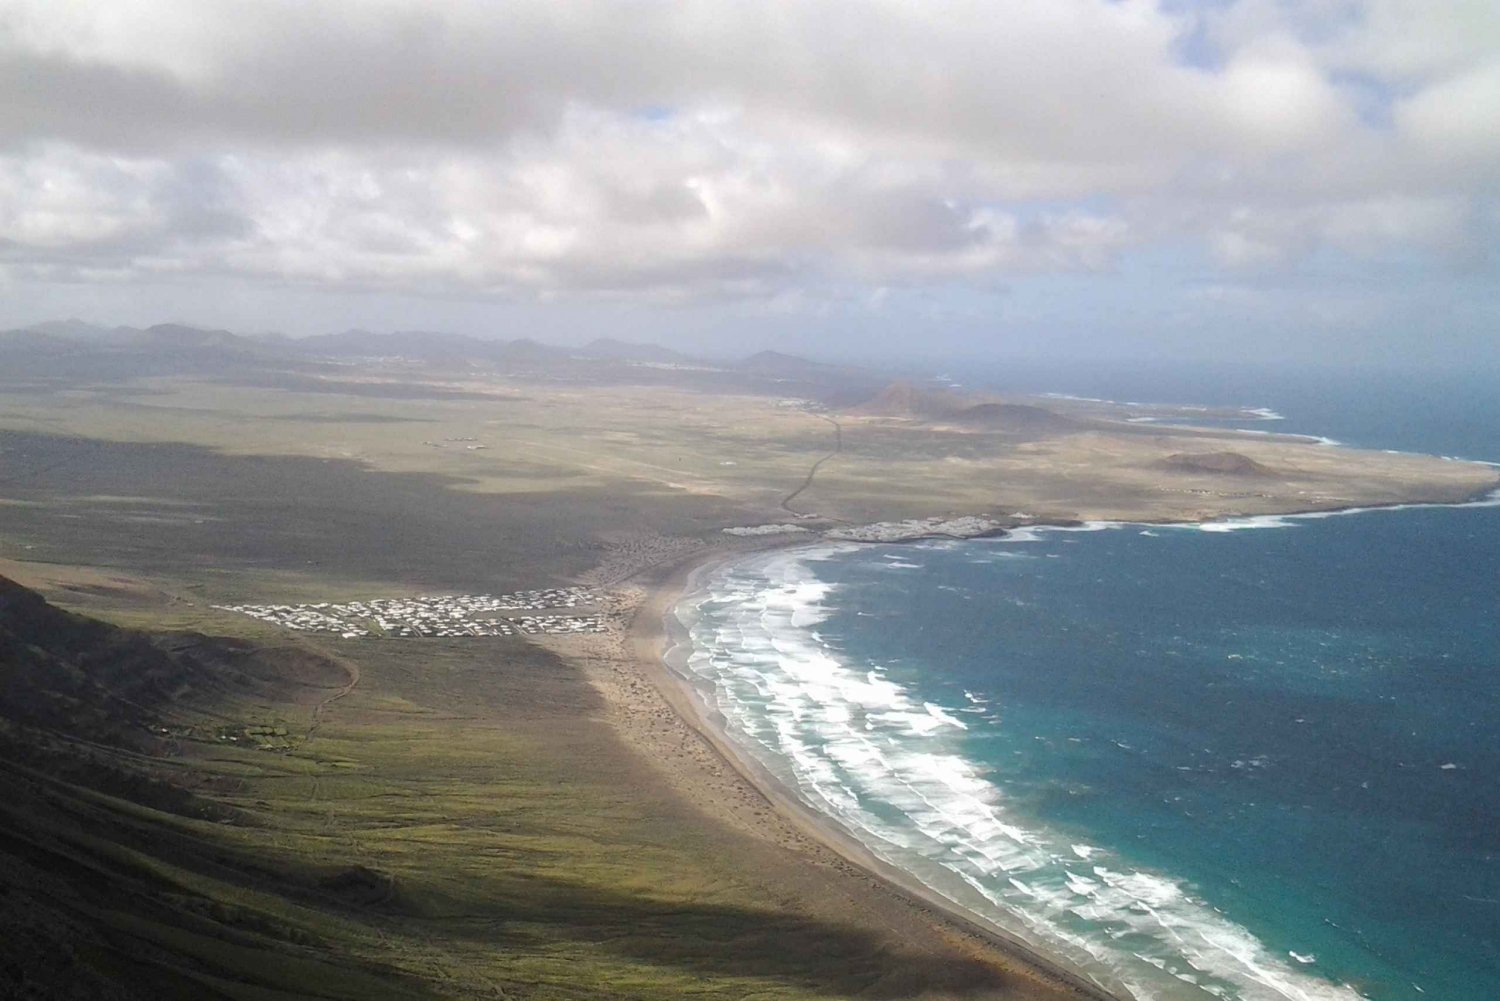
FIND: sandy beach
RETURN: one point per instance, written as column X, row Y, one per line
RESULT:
column 661, row 711
column 658, row 711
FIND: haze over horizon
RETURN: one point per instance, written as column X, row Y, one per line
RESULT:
column 1223, row 180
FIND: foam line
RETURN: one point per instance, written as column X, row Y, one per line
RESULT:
column 890, row 768
column 1037, row 533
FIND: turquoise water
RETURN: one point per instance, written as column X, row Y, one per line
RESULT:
column 1255, row 764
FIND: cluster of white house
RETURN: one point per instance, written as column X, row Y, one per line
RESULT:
column 437, row 615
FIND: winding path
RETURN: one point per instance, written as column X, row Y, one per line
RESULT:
column 838, row 446
column 352, row 669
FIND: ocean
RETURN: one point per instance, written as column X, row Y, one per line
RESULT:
column 1257, row 760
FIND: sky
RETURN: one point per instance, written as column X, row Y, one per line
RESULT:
column 1316, row 181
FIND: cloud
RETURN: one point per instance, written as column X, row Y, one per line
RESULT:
column 1455, row 120
column 728, row 150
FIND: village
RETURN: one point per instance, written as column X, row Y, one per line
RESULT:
column 438, row 615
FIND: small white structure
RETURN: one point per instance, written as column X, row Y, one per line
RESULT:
column 438, row 615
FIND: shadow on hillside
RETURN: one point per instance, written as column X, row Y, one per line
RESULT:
column 79, row 877
column 192, row 512
column 104, row 897
column 718, row 941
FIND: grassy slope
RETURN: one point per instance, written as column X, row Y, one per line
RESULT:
column 455, row 826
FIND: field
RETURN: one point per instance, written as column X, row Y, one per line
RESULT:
column 498, row 483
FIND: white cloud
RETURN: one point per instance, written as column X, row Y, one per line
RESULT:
column 1455, row 120
column 1412, row 43
column 722, row 149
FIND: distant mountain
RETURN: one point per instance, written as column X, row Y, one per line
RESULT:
column 76, row 351
column 526, row 350
column 177, row 335
column 418, row 345
column 28, row 341
column 428, row 346
column 72, row 350
column 609, row 349
column 165, row 335
column 779, row 365
column 75, row 330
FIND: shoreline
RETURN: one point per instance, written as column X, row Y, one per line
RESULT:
column 1485, row 496
column 655, row 631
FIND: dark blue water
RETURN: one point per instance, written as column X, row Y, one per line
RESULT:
column 1261, row 763
column 1441, row 413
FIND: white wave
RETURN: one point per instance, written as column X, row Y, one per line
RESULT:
column 890, row 768
column 942, row 715
column 1245, row 413
column 1248, row 522
column 1289, row 520
column 1039, row 533
column 1026, row 533
column 1036, row 533
column 1315, row 438
column 1079, row 399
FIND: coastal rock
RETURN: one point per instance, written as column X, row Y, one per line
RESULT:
column 968, row 527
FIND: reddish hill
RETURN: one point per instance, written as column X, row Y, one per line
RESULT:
column 904, row 399
column 1219, row 463
column 908, row 400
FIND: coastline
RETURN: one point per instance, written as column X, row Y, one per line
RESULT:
column 654, row 632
